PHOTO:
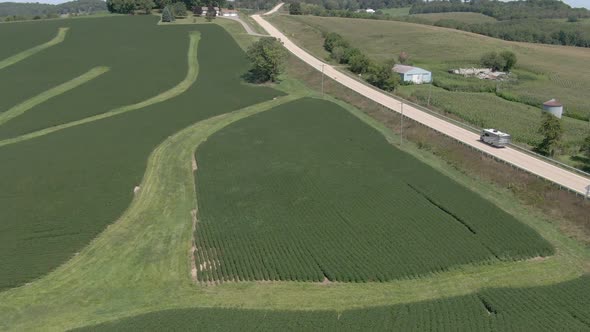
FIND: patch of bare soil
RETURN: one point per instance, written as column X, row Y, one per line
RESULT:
column 194, row 163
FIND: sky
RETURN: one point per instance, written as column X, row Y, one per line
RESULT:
column 573, row 3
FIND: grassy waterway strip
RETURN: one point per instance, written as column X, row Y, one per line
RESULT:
column 110, row 278
column 140, row 263
column 53, row 92
column 191, row 77
column 60, row 37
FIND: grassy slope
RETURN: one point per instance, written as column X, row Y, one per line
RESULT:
column 111, row 278
column 460, row 17
column 397, row 11
column 563, row 73
column 293, row 183
column 65, row 187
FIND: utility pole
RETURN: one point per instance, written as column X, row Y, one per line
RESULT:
column 401, row 134
column 323, row 80
column 429, row 94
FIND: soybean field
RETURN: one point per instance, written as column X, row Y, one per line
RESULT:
column 307, row 192
column 550, row 308
column 66, row 186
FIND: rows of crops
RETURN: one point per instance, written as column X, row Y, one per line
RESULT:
column 307, row 192
column 561, row 307
column 144, row 66
column 489, row 111
column 65, row 187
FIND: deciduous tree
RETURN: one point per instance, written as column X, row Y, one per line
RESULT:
column 295, row 9
column 268, row 58
column 552, row 131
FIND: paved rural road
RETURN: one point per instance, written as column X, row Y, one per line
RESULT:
column 247, row 27
column 520, row 159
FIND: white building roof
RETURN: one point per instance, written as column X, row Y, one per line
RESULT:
column 403, row 69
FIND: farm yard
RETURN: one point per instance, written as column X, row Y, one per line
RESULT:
column 341, row 203
column 286, row 185
column 542, row 71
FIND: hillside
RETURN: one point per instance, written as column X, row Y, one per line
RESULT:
column 39, row 9
column 542, row 72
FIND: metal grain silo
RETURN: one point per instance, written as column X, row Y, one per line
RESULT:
column 554, row 107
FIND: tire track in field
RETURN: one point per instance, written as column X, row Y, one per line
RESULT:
column 191, row 77
column 60, row 37
column 53, row 92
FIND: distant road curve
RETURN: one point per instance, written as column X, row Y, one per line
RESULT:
column 274, row 9
column 246, row 26
column 517, row 158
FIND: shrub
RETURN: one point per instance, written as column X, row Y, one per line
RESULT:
column 359, row 64
column 332, row 40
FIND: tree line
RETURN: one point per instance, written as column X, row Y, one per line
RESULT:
column 352, row 5
column 532, row 30
column 527, row 30
column 377, row 74
column 503, row 10
column 175, row 7
column 25, row 11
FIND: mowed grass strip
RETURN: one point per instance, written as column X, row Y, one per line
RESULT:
column 141, row 68
column 564, row 306
column 66, row 187
column 62, row 88
column 308, row 192
column 191, row 77
column 61, row 35
column 145, row 258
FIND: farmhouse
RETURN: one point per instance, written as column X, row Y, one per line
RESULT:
column 206, row 9
column 413, row 74
column 229, row 12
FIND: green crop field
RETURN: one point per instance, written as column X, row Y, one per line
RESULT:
column 489, row 111
column 552, row 308
column 460, row 17
column 66, row 186
column 543, row 71
column 339, row 201
column 284, row 188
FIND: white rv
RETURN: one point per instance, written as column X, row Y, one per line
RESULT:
column 495, row 137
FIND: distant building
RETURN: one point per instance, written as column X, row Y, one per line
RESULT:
column 229, row 12
column 554, row 107
column 413, row 74
column 206, row 9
